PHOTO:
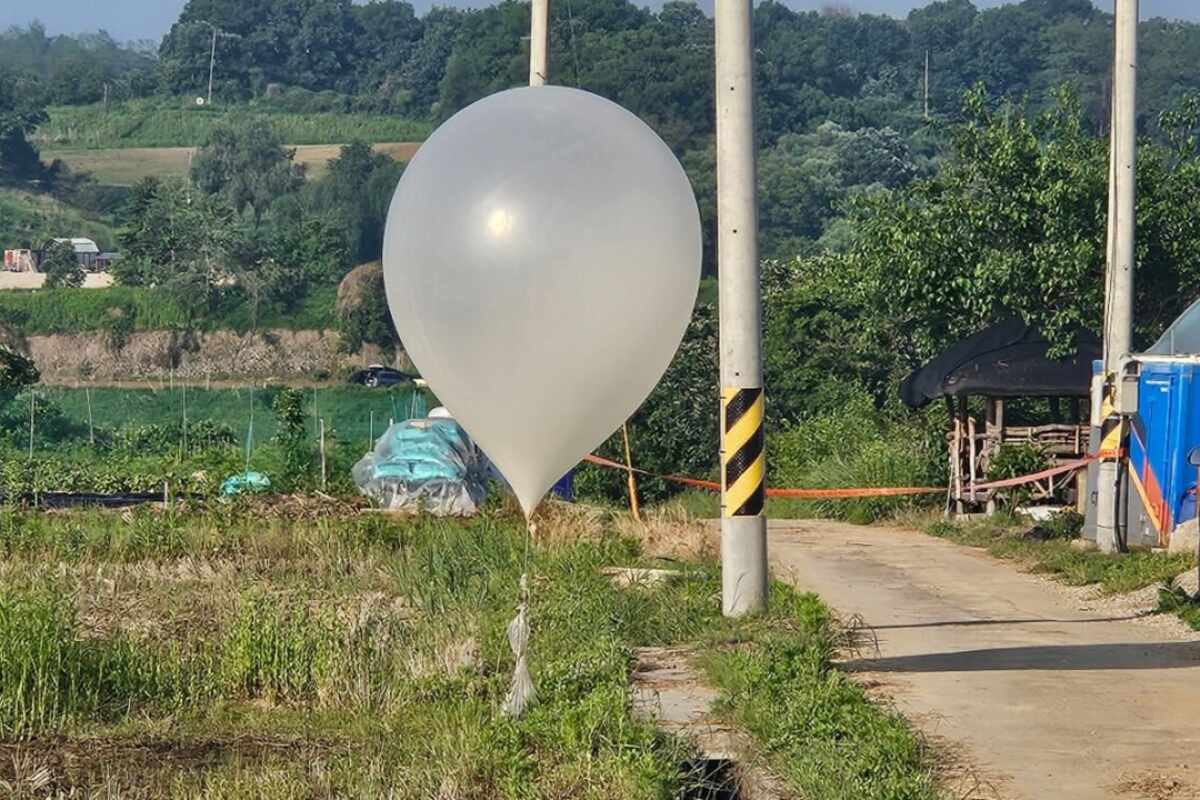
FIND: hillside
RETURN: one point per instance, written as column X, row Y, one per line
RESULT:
column 28, row 218
column 124, row 166
column 170, row 123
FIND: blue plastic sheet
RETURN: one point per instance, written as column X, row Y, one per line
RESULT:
column 428, row 465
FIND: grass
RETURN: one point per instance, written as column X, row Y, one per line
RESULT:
column 46, row 311
column 30, row 218
column 1174, row 599
column 821, row 734
column 248, row 651
column 1005, row 537
column 125, row 166
column 707, row 505
column 150, row 123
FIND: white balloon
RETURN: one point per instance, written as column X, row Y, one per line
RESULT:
column 541, row 262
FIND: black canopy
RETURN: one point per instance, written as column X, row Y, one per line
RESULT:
column 1006, row 360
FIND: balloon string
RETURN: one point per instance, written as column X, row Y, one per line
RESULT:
column 521, row 693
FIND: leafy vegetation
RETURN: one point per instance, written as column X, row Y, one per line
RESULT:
column 821, row 733
column 367, row 655
column 139, row 308
column 62, row 268
column 1008, row 537
column 179, row 123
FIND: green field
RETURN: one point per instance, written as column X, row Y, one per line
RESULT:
column 151, row 124
column 47, row 311
column 125, row 166
column 350, row 412
column 27, row 218
column 274, row 650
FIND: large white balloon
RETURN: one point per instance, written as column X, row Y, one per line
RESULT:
column 541, row 260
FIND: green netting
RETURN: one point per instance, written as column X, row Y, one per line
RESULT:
column 351, row 413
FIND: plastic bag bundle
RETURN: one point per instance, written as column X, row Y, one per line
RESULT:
column 426, row 465
column 521, row 693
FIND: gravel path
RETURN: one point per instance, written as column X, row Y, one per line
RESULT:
column 1030, row 689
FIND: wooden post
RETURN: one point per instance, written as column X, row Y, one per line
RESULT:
column 960, row 424
column 956, row 465
column 322, row 454
column 185, row 441
column 91, row 427
column 974, row 454
column 32, row 403
column 633, row 497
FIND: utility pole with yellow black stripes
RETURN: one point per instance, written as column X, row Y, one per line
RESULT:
column 743, row 472
column 1118, row 294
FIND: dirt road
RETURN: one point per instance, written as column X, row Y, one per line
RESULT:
column 1039, row 697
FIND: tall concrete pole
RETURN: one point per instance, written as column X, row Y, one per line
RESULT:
column 1118, row 301
column 212, row 62
column 743, row 473
column 539, row 42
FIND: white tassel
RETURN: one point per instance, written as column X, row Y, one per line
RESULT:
column 521, row 693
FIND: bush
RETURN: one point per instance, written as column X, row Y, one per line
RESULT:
column 61, row 267
column 857, row 446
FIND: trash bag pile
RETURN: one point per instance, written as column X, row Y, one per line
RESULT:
column 428, row 465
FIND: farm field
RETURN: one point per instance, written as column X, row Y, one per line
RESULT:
column 29, row 218
column 299, row 648
column 126, row 166
column 145, row 123
column 346, row 409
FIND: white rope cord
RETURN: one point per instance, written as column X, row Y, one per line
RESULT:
column 521, row 692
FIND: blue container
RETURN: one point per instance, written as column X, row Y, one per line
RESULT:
column 1165, row 430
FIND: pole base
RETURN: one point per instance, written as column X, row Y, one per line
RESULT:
column 743, row 565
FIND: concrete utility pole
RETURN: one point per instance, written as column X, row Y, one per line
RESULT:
column 539, row 42
column 743, row 473
column 1118, row 299
column 212, row 53
column 927, row 84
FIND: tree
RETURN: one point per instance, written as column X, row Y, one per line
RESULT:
column 1015, row 224
column 358, row 187
column 61, row 266
column 248, row 166
column 181, row 239
column 21, row 110
column 16, row 372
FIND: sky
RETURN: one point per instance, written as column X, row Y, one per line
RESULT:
column 128, row 20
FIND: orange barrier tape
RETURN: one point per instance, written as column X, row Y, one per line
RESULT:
column 871, row 491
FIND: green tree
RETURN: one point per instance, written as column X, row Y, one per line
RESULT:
column 181, row 239
column 21, row 110
column 358, row 188
column 1015, row 223
column 292, row 438
column 248, row 166
column 61, row 266
column 16, row 373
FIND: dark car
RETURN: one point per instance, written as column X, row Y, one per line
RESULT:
column 379, row 375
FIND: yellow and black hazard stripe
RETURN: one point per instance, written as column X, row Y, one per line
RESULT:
column 743, row 463
column 1112, row 424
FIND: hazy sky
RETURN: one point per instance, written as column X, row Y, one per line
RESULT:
column 149, row 19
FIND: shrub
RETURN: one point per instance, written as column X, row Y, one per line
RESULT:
column 853, row 447
column 61, row 267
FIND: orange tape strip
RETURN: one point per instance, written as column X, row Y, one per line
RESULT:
column 875, row 491
column 811, row 494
